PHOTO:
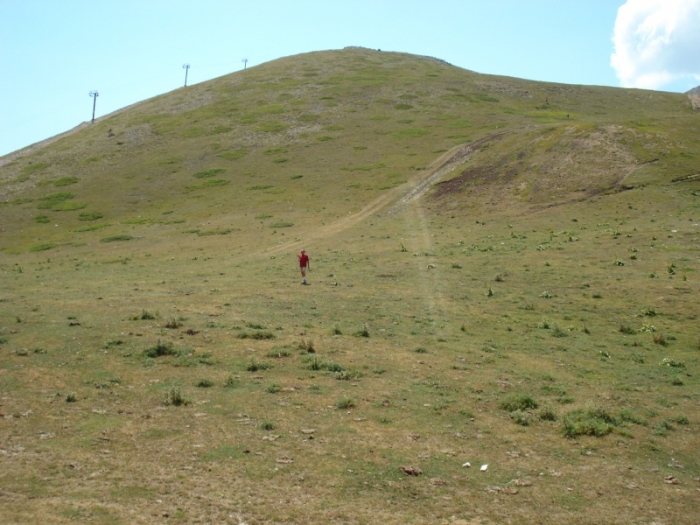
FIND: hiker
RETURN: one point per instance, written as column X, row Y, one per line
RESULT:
column 304, row 265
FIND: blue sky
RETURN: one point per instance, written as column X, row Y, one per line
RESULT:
column 53, row 53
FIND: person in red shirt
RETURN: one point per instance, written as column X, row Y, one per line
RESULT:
column 304, row 265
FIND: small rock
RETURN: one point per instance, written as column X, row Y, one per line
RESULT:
column 671, row 480
column 502, row 490
column 467, row 465
column 437, row 481
column 412, row 471
column 520, row 482
column 484, row 468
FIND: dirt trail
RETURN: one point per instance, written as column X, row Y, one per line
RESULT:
column 401, row 196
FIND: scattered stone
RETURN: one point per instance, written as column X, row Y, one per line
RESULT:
column 271, row 437
column 671, row 480
column 285, row 460
column 438, row 481
column 307, row 430
column 484, row 468
column 467, row 465
column 520, row 482
column 502, row 490
column 412, row 471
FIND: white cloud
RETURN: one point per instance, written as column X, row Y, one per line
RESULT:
column 657, row 42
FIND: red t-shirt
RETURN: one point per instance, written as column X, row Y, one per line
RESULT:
column 303, row 260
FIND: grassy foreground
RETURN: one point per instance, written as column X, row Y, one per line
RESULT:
column 536, row 311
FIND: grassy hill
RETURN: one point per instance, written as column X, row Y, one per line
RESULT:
column 504, row 272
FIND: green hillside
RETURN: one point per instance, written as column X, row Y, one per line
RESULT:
column 334, row 128
column 503, row 272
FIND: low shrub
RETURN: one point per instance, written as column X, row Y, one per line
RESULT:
column 173, row 323
column 307, row 345
column 345, row 403
column 521, row 418
column 547, row 414
column 175, row 397
column 278, row 353
column 362, row 333
column 519, row 401
column 588, row 422
column 258, row 335
column 116, row 238
column 254, row 365
column 89, row 216
column 161, row 349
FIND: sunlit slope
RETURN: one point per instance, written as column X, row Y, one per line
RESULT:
column 306, row 140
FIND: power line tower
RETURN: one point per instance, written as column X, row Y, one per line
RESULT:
column 186, row 67
column 245, row 62
column 94, row 95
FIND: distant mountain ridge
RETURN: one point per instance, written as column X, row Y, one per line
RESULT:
column 694, row 91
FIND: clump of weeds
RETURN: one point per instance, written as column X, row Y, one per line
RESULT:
column 521, row 418
column 232, row 382
column 175, row 397
column 273, row 388
column 278, row 353
column 588, row 422
column 161, row 349
column 173, row 323
column 307, row 346
column 345, row 403
column 145, row 315
column 520, row 401
column 364, row 332
column 254, row 366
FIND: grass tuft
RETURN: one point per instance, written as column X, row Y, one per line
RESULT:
column 161, row 350
column 519, row 401
column 345, row 403
column 588, row 422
